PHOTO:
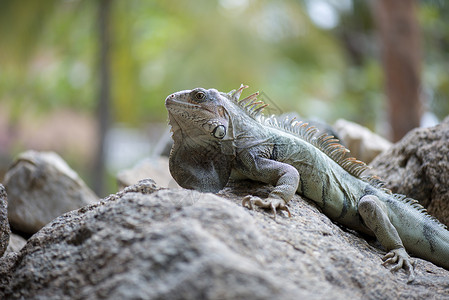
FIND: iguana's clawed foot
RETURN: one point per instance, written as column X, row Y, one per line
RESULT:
column 400, row 259
column 272, row 203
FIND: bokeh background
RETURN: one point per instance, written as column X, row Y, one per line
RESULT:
column 88, row 79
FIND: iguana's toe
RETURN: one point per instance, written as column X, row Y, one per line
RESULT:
column 272, row 203
column 400, row 259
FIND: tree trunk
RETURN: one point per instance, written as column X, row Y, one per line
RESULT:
column 401, row 54
column 103, row 108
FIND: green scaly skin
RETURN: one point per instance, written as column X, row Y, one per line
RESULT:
column 217, row 137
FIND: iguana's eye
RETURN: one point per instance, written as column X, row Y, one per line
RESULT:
column 200, row 96
column 219, row 132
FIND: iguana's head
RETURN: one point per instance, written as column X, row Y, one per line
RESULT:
column 199, row 111
column 203, row 151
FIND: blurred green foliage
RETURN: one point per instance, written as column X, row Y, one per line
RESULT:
column 49, row 54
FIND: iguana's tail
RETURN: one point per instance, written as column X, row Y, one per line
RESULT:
column 422, row 235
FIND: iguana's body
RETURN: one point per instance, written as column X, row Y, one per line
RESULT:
column 217, row 137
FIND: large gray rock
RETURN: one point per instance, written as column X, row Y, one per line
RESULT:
column 364, row 144
column 418, row 166
column 41, row 186
column 150, row 243
column 4, row 224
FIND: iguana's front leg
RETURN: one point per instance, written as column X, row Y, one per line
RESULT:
column 284, row 177
column 376, row 218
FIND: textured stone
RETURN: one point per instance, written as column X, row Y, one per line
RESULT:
column 364, row 144
column 41, row 186
column 181, row 244
column 418, row 166
column 4, row 224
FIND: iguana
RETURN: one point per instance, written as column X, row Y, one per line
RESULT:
column 217, row 137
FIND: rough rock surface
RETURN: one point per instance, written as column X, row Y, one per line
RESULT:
column 181, row 244
column 41, row 186
column 418, row 166
column 4, row 224
column 364, row 144
column 154, row 168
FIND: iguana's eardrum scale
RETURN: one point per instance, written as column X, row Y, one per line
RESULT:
column 217, row 136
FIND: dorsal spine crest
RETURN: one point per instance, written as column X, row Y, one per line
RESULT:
column 328, row 144
column 417, row 206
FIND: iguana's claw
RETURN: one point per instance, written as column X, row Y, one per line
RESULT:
column 271, row 203
column 400, row 259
